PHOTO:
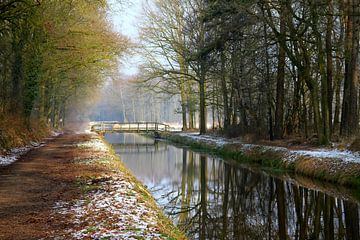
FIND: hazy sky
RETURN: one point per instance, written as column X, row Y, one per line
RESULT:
column 125, row 20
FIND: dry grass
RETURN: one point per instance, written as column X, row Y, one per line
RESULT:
column 355, row 145
column 332, row 170
column 16, row 132
column 329, row 169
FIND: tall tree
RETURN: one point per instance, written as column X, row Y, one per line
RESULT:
column 350, row 111
column 280, row 80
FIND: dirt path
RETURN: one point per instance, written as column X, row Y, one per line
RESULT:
column 30, row 187
column 74, row 187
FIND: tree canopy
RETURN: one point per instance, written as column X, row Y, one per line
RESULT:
column 270, row 68
column 53, row 54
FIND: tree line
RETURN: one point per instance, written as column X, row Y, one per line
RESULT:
column 272, row 68
column 53, row 54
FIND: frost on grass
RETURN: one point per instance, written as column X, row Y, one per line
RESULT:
column 343, row 155
column 55, row 133
column 112, row 210
column 14, row 154
column 95, row 144
column 218, row 141
column 289, row 155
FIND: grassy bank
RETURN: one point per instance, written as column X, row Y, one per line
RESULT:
column 107, row 183
column 164, row 224
column 278, row 158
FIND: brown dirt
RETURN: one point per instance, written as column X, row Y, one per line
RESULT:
column 30, row 187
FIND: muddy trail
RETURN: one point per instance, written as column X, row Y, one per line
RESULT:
column 30, row 187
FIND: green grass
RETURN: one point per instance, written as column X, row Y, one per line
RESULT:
column 90, row 229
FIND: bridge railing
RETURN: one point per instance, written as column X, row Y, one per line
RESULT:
column 130, row 127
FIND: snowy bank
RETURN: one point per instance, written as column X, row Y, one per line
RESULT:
column 114, row 205
column 334, row 165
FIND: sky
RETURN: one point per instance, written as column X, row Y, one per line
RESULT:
column 125, row 19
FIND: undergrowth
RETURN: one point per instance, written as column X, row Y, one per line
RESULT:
column 16, row 132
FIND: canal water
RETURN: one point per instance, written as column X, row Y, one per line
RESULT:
column 211, row 198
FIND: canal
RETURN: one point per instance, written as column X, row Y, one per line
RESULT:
column 212, row 198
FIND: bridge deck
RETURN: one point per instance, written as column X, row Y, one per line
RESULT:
column 129, row 127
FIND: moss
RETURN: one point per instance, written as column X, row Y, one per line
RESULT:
column 90, row 229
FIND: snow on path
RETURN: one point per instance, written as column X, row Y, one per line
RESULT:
column 344, row 155
column 95, row 144
column 14, row 154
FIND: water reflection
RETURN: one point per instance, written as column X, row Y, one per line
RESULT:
column 212, row 199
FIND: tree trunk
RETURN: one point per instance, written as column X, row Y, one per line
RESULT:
column 280, row 91
column 325, row 128
column 202, row 110
column 224, row 91
column 183, row 107
column 329, row 61
column 314, row 94
column 17, row 77
column 350, row 115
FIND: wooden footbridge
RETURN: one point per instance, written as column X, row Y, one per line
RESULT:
column 130, row 127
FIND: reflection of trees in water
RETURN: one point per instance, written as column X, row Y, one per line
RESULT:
column 218, row 201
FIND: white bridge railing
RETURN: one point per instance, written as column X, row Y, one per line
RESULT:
column 129, row 127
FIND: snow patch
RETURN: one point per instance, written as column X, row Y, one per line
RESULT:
column 115, row 210
column 218, row 141
column 290, row 155
column 56, row 134
column 95, row 144
column 343, row 155
column 14, row 154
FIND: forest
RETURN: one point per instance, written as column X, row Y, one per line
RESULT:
column 53, row 56
column 270, row 68
column 273, row 69
column 241, row 120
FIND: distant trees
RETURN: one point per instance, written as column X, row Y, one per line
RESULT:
column 122, row 100
column 166, row 68
column 52, row 53
column 270, row 68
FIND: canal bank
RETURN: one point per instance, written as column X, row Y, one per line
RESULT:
column 331, row 165
column 74, row 187
column 210, row 197
column 114, row 204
